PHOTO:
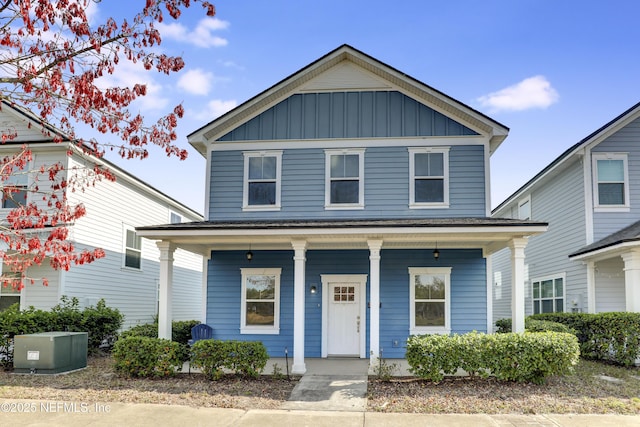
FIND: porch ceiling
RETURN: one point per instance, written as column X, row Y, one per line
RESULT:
column 488, row 234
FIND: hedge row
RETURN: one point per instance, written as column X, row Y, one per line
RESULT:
column 528, row 357
column 101, row 323
column 242, row 357
column 534, row 325
column 613, row 337
column 180, row 330
column 137, row 356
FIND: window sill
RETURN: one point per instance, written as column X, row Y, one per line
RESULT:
column 260, row 331
column 429, row 206
column 262, row 208
column 344, row 207
column 611, row 209
column 422, row 331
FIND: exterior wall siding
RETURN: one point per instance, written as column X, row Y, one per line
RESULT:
column 501, row 264
column 610, row 287
column 626, row 140
column 386, row 185
column 366, row 114
column 468, row 293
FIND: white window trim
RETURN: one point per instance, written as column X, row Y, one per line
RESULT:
column 245, row 181
column 594, row 167
column 523, row 202
column 412, row 177
column 417, row 330
column 126, row 228
column 327, row 179
column 553, row 277
column 264, row 330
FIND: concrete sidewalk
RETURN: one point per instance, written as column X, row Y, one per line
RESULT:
column 119, row 414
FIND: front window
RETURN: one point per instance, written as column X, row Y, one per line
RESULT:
column 8, row 294
column 262, row 172
column 430, row 300
column 429, row 177
column 548, row 295
column 611, row 189
column 260, row 301
column 14, row 189
column 132, row 249
column 344, row 179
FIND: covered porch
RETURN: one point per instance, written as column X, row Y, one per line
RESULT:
column 429, row 235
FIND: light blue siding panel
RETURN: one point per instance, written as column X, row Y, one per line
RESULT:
column 386, row 185
column 224, row 297
column 347, row 115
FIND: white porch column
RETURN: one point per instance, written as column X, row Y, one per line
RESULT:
column 632, row 279
column 374, row 301
column 299, row 246
column 205, row 282
column 517, row 246
column 591, row 287
column 166, row 285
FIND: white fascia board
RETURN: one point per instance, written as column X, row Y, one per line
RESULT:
column 606, row 253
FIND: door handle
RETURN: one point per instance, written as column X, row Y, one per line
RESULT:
column 358, row 324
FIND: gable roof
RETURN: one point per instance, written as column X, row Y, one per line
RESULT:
column 31, row 128
column 375, row 74
column 593, row 139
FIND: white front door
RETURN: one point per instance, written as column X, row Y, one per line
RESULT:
column 344, row 315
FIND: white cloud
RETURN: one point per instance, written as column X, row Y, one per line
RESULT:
column 532, row 92
column 202, row 35
column 197, row 82
column 215, row 109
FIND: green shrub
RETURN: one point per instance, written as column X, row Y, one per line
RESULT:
column 180, row 330
column 147, row 357
column 528, row 357
column 247, row 358
column 149, row 330
column 612, row 337
column 535, row 325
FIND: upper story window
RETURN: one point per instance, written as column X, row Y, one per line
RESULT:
column 344, row 179
column 610, row 181
column 175, row 218
column 260, row 313
column 428, row 177
column 524, row 208
column 132, row 249
column 548, row 295
column 262, row 177
column 15, row 189
column 429, row 290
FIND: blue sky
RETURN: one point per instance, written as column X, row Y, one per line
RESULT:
column 551, row 71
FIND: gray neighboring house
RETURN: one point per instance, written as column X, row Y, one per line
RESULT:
column 589, row 259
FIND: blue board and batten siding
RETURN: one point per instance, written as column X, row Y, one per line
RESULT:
column 386, row 185
column 383, row 114
column 468, row 293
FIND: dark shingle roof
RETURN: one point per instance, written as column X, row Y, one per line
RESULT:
column 630, row 233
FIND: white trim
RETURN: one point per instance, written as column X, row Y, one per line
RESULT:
column 265, row 330
column 327, row 178
column 412, row 178
column 245, row 180
column 446, row 329
column 588, row 197
column 595, row 157
column 327, row 279
column 591, row 286
column 207, row 185
column 338, row 143
column 487, row 181
column 490, row 274
column 553, row 278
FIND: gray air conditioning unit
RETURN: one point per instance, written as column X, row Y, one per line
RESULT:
column 50, row 352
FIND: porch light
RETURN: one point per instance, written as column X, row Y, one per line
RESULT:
column 313, row 289
column 249, row 254
column 436, row 252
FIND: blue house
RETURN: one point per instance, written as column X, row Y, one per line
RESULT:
column 347, row 208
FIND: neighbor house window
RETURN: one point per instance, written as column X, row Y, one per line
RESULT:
column 175, row 218
column 611, row 181
column 132, row 249
column 260, row 301
column 548, row 295
column 524, row 209
column 8, row 294
column 428, row 177
column 14, row 189
column 430, row 300
column 344, row 179
column 262, row 173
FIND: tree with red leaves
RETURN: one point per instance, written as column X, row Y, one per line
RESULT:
column 51, row 62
